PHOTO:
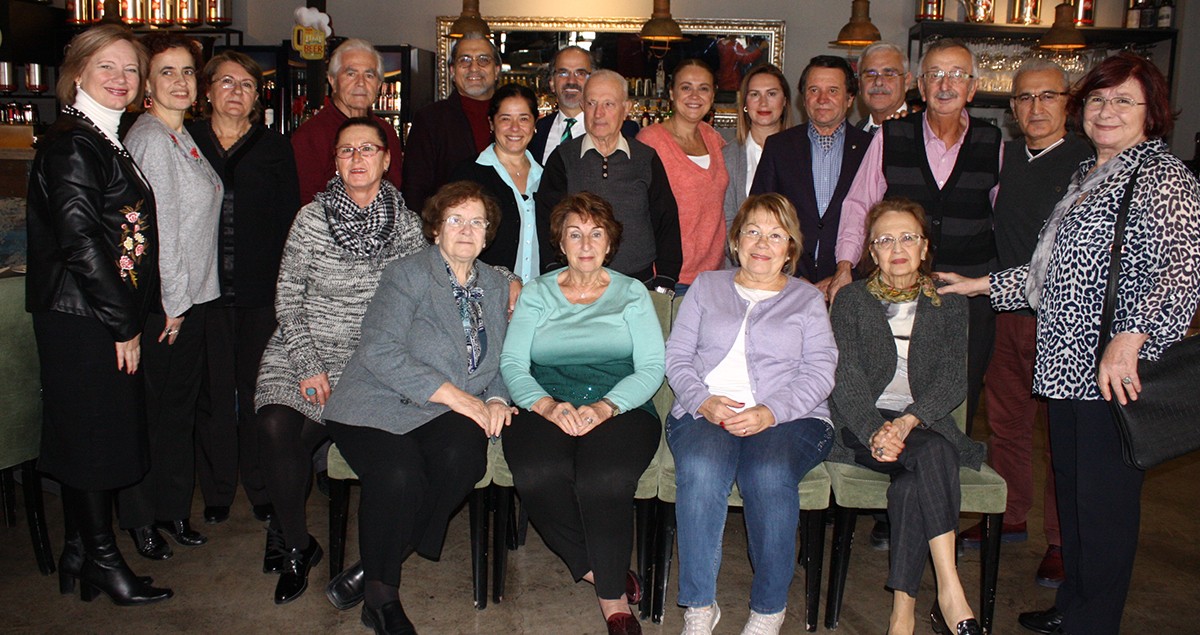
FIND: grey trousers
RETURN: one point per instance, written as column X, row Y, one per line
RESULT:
column 923, row 500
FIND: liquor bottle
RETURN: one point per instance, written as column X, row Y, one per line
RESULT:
column 1133, row 14
column 1148, row 15
column 1166, row 14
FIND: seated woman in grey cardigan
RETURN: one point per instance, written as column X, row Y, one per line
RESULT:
column 422, row 394
column 901, row 372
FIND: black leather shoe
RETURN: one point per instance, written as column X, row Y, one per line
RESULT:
column 293, row 580
column 150, row 544
column 969, row 626
column 216, row 514
column 388, row 619
column 1046, row 622
column 182, row 533
column 274, row 552
column 346, row 588
column 264, row 512
column 881, row 535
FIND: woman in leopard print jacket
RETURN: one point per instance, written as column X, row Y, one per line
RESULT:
column 1123, row 107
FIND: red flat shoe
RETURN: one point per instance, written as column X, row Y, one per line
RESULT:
column 623, row 624
column 633, row 587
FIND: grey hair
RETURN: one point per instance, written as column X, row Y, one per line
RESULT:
column 884, row 46
column 349, row 46
column 472, row 36
column 1037, row 64
column 947, row 43
column 573, row 47
column 604, row 73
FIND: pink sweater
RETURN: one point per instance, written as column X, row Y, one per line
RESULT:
column 700, row 194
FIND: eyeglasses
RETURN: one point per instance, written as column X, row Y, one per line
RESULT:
column 1046, row 97
column 1120, row 105
column 458, row 221
column 229, row 83
column 906, row 240
column 366, row 151
column 887, row 73
column 955, row 75
column 578, row 73
column 483, row 60
column 775, row 238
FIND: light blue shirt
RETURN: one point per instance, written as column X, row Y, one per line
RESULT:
column 527, row 249
column 826, row 168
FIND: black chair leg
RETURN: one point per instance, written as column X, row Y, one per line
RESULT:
column 502, row 511
column 339, row 515
column 8, row 496
column 812, row 523
column 665, row 547
column 35, row 512
column 516, row 512
column 646, row 530
column 989, row 568
column 839, row 562
column 477, row 508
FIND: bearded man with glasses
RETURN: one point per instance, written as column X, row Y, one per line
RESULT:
column 569, row 71
column 455, row 129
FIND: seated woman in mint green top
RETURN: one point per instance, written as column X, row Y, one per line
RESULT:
column 583, row 356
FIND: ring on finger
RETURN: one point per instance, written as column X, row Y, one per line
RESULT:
column 589, row 420
column 1126, row 380
column 564, row 412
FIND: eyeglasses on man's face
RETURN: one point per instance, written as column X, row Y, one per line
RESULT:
column 482, row 60
column 579, row 73
column 872, row 75
column 1045, row 97
column 366, row 151
column 957, row 75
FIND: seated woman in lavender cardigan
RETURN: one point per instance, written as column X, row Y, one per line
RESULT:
column 751, row 359
column 422, row 394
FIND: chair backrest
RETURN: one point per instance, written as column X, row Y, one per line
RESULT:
column 20, row 390
column 664, row 306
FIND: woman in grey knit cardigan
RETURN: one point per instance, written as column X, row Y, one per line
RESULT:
column 901, row 372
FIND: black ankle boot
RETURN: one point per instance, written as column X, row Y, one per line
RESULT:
column 69, row 564
column 293, row 579
column 347, row 588
column 103, row 568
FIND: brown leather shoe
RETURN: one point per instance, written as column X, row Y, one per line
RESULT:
column 623, row 624
column 633, row 587
column 1051, row 573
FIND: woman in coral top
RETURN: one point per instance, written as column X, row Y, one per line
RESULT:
column 691, row 152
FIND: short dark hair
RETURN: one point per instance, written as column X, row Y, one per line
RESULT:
column 452, row 195
column 1114, row 71
column 159, row 41
column 905, row 206
column 831, row 61
column 369, row 122
column 576, row 48
column 248, row 64
column 590, row 207
column 512, row 90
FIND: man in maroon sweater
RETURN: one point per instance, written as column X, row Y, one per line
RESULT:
column 355, row 76
column 448, row 132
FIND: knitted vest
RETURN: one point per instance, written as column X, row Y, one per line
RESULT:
column 626, row 189
column 960, row 213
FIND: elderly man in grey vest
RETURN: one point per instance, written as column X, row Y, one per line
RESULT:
column 626, row 173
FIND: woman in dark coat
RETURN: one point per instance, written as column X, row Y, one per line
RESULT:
column 93, row 277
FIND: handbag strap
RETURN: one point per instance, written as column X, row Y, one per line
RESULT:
column 1114, row 267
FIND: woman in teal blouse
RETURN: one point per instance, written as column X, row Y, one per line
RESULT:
column 583, row 357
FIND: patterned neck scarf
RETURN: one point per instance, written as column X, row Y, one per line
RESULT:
column 362, row 231
column 470, row 309
column 884, row 293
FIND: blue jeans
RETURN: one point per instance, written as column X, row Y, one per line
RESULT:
column 768, row 468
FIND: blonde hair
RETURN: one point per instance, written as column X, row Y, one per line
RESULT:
column 785, row 214
column 84, row 46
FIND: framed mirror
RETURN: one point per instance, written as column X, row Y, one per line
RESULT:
column 729, row 46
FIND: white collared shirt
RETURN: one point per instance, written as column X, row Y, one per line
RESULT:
column 556, row 132
column 622, row 146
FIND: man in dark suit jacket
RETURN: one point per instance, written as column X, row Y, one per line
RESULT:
column 569, row 71
column 812, row 165
column 450, row 131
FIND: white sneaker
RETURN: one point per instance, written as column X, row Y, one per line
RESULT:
column 701, row 621
column 760, row 624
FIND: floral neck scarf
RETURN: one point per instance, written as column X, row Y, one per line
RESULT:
column 884, row 293
column 470, row 309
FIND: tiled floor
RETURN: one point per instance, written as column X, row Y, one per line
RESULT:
column 219, row 588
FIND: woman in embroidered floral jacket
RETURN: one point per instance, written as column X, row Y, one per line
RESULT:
column 93, row 276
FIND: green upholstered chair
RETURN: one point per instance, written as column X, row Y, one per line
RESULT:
column 340, row 478
column 857, row 489
column 21, row 420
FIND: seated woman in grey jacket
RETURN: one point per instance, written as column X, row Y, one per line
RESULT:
column 422, row 394
column 901, row 372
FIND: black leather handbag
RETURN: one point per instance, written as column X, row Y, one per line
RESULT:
column 1164, row 422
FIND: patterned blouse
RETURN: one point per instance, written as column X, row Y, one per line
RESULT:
column 1160, row 280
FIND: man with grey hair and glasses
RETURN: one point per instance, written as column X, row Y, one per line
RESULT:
column 883, row 79
column 1037, row 170
column 448, row 132
column 355, row 76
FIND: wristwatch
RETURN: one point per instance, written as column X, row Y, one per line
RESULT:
column 608, row 402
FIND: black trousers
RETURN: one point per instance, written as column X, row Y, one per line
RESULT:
column 411, row 484
column 981, row 336
column 226, row 437
column 172, row 375
column 579, row 490
column 1099, row 510
column 923, row 500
